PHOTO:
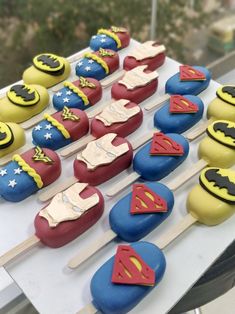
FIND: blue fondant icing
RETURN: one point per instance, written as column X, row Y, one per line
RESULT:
column 47, row 135
column 175, row 86
column 103, row 41
column 156, row 167
column 178, row 122
column 132, row 228
column 66, row 97
column 112, row 298
column 87, row 67
column 15, row 187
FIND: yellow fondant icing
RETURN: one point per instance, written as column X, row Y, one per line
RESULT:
column 12, row 112
column 77, row 91
column 58, row 125
column 206, row 208
column 18, row 138
column 219, row 109
column 23, row 95
column 227, row 93
column 223, row 131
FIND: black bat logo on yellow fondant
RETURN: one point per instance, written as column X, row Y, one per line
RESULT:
column 48, row 60
column 223, row 127
column 23, row 92
column 221, row 182
column 229, row 90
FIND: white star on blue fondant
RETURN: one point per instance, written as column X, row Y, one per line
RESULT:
column 17, row 170
column 3, row 172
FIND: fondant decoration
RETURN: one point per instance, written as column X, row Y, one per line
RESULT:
column 164, row 145
column 102, row 152
column 136, row 85
column 217, row 149
column 130, row 269
column 227, row 93
column 145, row 201
column 61, row 128
column 156, row 167
column 219, row 182
column 137, row 78
column 47, row 70
column 132, row 227
column 167, row 122
column 114, row 38
column 114, row 298
column 150, row 53
column 222, row 131
column 22, row 102
column 80, row 94
column 68, row 205
column 175, row 86
column 117, row 112
column 103, row 159
column 180, row 104
column 98, row 64
column 188, row 73
column 12, row 137
column 29, row 172
column 222, row 107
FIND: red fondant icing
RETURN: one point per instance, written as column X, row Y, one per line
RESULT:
column 188, row 73
column 123, row 129
column 105, row 172
column 93, row 94
column 152, row 63
column 67, row 231
column 180, row 104
column 125, row 270
column 137, row 95
column 145, row 201
column 124, row 38
column 76, row 129
column 112, row 61
column 164, row 145
column 49, row 172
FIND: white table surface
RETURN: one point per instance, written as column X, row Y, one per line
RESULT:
column 53, row 288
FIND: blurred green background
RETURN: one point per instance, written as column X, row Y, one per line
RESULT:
column 28, row 27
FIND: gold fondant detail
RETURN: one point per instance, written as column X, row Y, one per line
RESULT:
column 83, row 82
column 112, row 35
column 67, row 114
column 41, row 156
column 58, row 125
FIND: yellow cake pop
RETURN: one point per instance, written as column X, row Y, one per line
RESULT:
column 47, row 70
column 12, row 137
column 22, row 102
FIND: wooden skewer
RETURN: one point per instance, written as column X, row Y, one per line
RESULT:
column 157, row 103
column 112, row 78
column 88, row 309
column 36, row 119
column 19, row 249
column 83, row 255
column 5, row 159
column 52, row 191
column 199, row 130
column 76, row 146
column 187, row 175
column 175, row 231
column 142, row 140
column 121, row 185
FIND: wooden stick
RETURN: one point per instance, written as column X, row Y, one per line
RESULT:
column 97, row 109
column 19, row 249
column 5, row 159
column 122, row 184
column 187, row 175
column 88, row 309
column 199, row 130
column 108, row 81
column 50, row 192
column 175, row 231
column 36, row 119
column 98, row 244
column 157, row 103
column 76, row 146
column 142, row 140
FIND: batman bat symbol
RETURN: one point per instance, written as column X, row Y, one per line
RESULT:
column 212, row 175
column 2, row 135
column 229, row 90
column 223, row 127
column 23, row 92
column 49, row 61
